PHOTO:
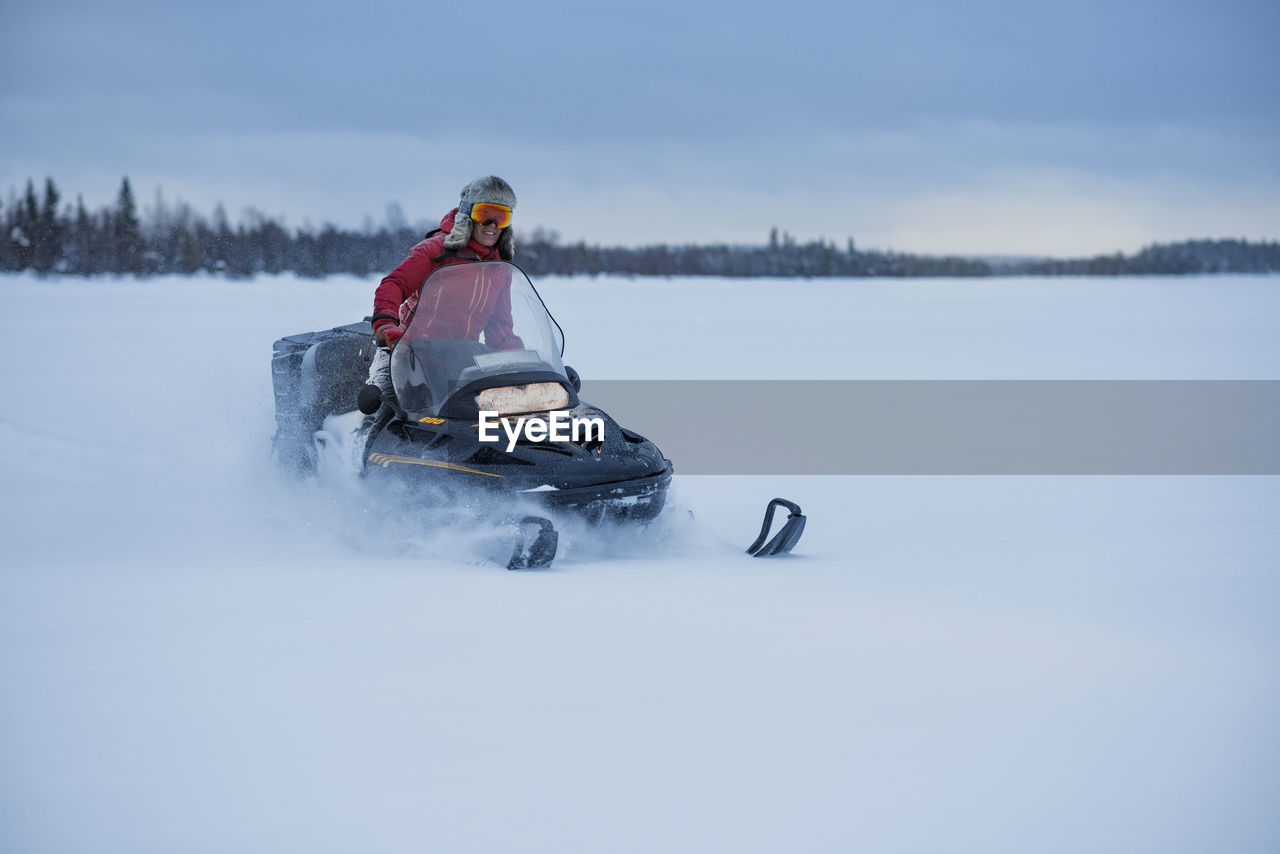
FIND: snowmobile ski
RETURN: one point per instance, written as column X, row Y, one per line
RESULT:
column 786, row 538
column 536, row 544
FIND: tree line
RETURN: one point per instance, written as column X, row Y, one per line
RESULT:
column 40, row 233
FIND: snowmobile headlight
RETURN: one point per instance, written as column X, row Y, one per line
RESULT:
column 518, row 399
column 485, row 212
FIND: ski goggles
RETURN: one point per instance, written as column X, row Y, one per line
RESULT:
column 485, row 212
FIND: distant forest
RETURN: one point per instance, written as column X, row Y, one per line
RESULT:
column 41, row 234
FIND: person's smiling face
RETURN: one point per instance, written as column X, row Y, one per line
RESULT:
column 486, row 233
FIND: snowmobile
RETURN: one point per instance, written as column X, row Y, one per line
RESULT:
column 486, row 416
column 478, row 415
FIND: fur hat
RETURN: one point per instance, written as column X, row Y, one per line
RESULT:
column 493, row 190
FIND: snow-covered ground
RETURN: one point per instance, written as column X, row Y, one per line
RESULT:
column 198, row 656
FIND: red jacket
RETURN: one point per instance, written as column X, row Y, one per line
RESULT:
column 457, row 312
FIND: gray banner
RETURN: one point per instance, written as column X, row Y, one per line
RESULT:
column 953, row 427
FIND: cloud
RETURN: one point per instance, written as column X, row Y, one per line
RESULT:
column 931, row 187
column 924, row 126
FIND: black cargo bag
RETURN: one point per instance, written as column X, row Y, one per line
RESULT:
column 315, row 375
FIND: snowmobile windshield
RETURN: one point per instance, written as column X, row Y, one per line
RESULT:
column 475, row 327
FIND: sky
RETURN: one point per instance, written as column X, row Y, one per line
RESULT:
column 988, row 127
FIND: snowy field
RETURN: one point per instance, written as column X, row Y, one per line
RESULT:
column 198, row 656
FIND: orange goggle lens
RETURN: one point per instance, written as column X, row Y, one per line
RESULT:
column 485, row 212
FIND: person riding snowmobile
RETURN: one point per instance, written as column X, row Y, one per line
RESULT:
column 478, row 229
